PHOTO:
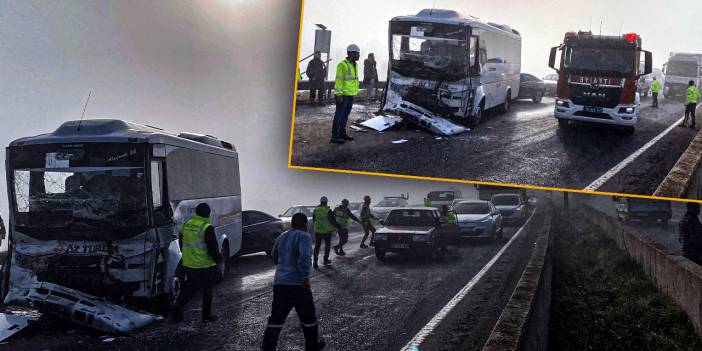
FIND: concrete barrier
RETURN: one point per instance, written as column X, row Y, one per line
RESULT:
column 523, row 324
column 683, row 181
column 678, row 277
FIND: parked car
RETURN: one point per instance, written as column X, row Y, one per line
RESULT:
column 286, row 217
column 383, row 207
column 478, row 218
column 440, row 198
column 259, row 231
column 511, row 206
column 418, row 230
column 550, row 82
column 634, row 209
column 531, row 87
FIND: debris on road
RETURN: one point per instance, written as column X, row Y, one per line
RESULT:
column 357, row 129
column 85, row 309
column 401, row 141
column 11, row 324
column 380, row 123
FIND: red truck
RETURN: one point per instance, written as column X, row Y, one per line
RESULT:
column 597, row 78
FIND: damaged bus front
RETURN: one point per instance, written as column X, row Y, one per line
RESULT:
column 445, row 64
column 96, row 208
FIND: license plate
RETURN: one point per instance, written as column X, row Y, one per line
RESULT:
column 592, row 109
column 399, row 246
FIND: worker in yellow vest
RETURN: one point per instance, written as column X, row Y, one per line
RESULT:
column 692, row 97
column 200, row 257
column 345, row 88
column 656, row 88
column 342, row 213
column 324, row 225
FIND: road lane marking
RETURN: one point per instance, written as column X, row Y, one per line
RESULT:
column 429, row 328
column 627, row 161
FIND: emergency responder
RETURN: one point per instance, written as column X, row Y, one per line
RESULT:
column 324, row 225
column 316, row 72
column 342, row 213
column 656, row 88
column 366, row 217
column 200, row 257
column 345, row 88
column 370, row 77
column 291, row 286
column 692, row 97
column 448, row 216
column 691, row 233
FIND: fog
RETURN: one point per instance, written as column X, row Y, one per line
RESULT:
column 665, row 26
column 224, row 68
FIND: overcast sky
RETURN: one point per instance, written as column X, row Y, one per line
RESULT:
column 665, row 26
column 224, row 68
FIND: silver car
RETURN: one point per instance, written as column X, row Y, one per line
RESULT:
column 550, row 82
column 286, row 217
column 478, row 218
column 383, row 207
column 511, row 206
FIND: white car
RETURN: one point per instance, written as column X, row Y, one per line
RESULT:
column 511, row 206
column 383, row 207
column 478, row 218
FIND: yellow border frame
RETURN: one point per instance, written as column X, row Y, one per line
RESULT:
column 404, row 176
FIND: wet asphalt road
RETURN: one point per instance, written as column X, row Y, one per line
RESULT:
column 362, row 304
column 524, row 146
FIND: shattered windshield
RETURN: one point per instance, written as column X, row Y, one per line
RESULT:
column 429, row 51
column 599, row 61
column 681, row 68
column 413, row 218
column 79, row 188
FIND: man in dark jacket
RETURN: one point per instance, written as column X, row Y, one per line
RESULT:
column 691, row 233
column 291, row 286
column 370, row 77
column 199, row 261
column 316, row 71
column 366, row 221
column 342, row 214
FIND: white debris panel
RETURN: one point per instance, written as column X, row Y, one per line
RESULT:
column 11, row 324
column 85, row 309
column 380, row 123
column 427, row 119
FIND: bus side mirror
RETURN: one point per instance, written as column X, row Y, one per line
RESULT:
column 552, row 58
column 648, row 69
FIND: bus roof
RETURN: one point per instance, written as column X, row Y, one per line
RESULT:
column 453, row 17
column 118, row 131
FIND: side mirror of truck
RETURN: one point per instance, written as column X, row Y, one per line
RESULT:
column 552, row 58
column 648, row 69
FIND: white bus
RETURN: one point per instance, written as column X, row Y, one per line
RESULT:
column 452, row 65
column 96, row 206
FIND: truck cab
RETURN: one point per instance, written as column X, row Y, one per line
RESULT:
column 680, row 69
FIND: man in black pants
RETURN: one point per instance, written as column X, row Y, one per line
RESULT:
column 324, row 225
column 291, row 286
column 366, row 217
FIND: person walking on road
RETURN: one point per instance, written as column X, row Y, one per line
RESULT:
column 343, row 214
column 691, row 233
column 345, row 88
column 324, row 225
column 366, row 217
column 200, row 257
column 291, row 286
column 656, row 88
column 692, row 97
column 316, row 72
column 370, row 77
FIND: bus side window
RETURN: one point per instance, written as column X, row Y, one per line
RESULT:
column 473, row 56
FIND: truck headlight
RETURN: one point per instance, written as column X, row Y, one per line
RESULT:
column 419, row 237
column 562, row 103
column 381, row 236
column 628, row 110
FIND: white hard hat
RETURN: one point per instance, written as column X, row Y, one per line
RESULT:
column 353, row 48
column 323, row 199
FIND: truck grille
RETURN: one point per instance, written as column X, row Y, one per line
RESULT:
column 600, row 115
column 676, row 89
column 607, row 97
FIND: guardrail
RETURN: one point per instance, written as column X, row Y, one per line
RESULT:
column 685, row 179
column 305, row 85
column 675, row 275
column 523, row 324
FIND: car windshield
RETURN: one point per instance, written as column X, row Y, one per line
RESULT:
column 389, row 203
column 442, row 196
column 551, row 77
column 599, row 61
column 505, row 200
column 412, row 218
column 290, row 212
column 472, row 208
column 65, row 188
column 682, row 68
column 429, row 50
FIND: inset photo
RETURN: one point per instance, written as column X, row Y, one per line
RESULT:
column 510, row 94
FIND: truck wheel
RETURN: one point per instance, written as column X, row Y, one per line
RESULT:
column 169, row 300
column 380, row 253
column 474, row 120
column 223, row 267
column 508, row 103
column 537, row 98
